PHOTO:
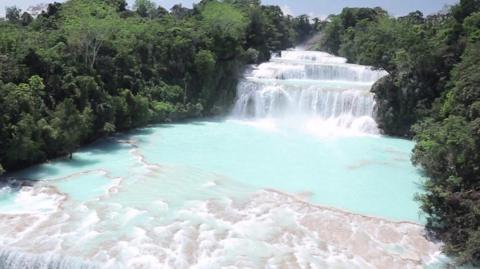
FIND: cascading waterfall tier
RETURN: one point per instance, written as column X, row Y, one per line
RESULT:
column 310, row 85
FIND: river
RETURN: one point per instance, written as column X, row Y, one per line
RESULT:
column 298, row 176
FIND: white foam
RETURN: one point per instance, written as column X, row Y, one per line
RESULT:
column 314, row 88
column 263, row 124
column 267, row 230
column 28, row 201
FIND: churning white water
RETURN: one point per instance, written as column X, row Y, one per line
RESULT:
column 313, row 86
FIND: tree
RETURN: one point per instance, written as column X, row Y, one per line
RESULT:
column 303, row 28
column 223, row 20
column 119, row 5
column 180, row 12
column 448, row 153
column 279, row 31
column 26, row 19
column 13, row 14
column 24, row 145
column 144, row 8
column 227, row 27
column 332, row 35
column 204, row 63
column 464, row 9
column 71, row 126
column 88, row 26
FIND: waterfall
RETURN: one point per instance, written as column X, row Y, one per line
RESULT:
column 310, row 85
column 11, row 258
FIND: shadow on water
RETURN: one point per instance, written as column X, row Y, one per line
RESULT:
column 139, row 134
column 199, row 122
column 35, row 172
column 213, row 120
column 87, row 156
column 144, row 131
column 105, row 146
column 82, row 159
column 11, row 185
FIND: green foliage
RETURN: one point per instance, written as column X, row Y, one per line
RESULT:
column 118, row 5
column 223, row 20
column 164, row 92
column 303, row 28
column 472, row 27
column 433, row 85
column 84, row 69
column 144, row 8
column 464, row 9
column 448, row 152
column 444, row 148
column 340, row 24
column 205, row 62
column 71, row 125
column 163, row 111
column 466, row 79
column 88, row 25
column 252, row 55
column 332, row 36
column 109, row 128
column 269, row 30
column 13, row 14
column 22, row 143
column 26, row 19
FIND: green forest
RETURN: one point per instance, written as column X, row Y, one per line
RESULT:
column 86, row 69
column 432, row 94
column 89, row 68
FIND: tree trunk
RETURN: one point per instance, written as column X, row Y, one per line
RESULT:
column 185, row 91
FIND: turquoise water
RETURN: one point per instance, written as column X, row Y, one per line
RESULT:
column 298, row 177
column 364, row 174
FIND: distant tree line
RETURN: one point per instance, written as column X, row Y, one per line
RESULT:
column 432, row 93
column 85, row 69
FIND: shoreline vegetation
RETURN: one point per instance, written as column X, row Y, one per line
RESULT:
column 432, row 94
column 86, row 69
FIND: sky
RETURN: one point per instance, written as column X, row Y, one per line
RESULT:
column 314, row 8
